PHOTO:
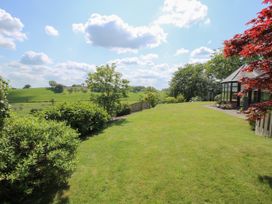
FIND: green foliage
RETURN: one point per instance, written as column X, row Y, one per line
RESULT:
column 218, row 98
column 136, row 89
column 85, row 117
column 192, row 80
column 123, row 109
column 4, row 106
column 220, row 67
column 27, row 86
column 180, row 98
column 59, row 88
column 196, row 99
column 170, row 99
column 152, row 97
column 34, row 154
column 53, row 84
column 110, row 85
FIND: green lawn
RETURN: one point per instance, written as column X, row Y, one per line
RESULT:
column 181, row 153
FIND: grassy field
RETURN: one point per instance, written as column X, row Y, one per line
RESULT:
column 23, row 100
column 181, row 153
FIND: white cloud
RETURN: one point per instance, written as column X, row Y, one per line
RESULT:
column 10, row 30
column 183, row 13
column 67, row 73
column 144, row 70
column 201, row 55
column 51, row 31
column 35, row 58
column 141, row 60
column 181, row 51
column 113, row 33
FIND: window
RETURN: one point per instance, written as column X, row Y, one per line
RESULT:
column 266, row 96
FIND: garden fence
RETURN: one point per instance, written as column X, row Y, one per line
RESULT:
column 264, row 126
column 139, row 106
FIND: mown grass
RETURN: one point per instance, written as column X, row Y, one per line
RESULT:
column 181, row 153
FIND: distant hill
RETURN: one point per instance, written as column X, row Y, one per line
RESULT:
column 37, row 95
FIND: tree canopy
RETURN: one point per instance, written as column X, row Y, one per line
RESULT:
column 220, row 67
column 191, row 81
column 110, row 85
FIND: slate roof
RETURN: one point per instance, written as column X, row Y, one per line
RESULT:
column 239, row 74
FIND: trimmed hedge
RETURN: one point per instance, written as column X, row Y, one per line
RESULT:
column 86, row 118
column 34, row 155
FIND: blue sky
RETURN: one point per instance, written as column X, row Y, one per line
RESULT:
column 148, row 40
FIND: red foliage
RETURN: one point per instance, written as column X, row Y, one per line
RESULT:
column 255, row 43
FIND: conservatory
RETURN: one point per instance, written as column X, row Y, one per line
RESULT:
column 231, row 87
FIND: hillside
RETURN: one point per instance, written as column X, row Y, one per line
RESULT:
column 34, row 95
column 24, row 100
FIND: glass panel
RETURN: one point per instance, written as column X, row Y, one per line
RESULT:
column 234, row 97
column 255, row 96
column 265, row 96
column 234, row 89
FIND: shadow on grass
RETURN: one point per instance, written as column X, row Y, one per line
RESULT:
column 52, row 194
column 49, row 194
column 266, row 180
column 117, row 122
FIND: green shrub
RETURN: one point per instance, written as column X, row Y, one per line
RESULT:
column 87, row 118
column 4, row 106
column 196, row 99
column 180, row 98
column 59, row 88
column 171, row 100
column 34, row 155
column 124, row 109
column 152, row 98
column 218, row 98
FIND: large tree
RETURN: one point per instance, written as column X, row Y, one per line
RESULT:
column 191, row 81
column 4, row 106
column 220, row 67
column 255, row 42
column 110, row 85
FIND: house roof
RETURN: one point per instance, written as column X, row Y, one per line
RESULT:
column 239, row 74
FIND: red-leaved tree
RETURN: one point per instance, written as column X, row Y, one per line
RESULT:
column 255, row 43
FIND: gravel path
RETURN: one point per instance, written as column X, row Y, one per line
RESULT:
column 234, row 113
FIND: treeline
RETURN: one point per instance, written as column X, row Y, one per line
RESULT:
column 202, row 81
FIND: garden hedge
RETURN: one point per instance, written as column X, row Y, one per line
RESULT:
column 34, row 155
column 86, row 118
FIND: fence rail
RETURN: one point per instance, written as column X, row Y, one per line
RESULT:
column 264, row 126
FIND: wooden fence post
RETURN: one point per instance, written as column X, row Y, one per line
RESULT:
column 263, row 126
